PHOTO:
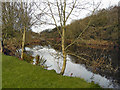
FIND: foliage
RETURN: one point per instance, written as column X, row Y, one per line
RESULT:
column 50, row 34
column 28, row 58
column 40, row 61
column 104, row 26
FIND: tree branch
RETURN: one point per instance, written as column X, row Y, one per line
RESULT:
column 83, row 30
column 54, row 18
column 77, row 56
column 70, row 11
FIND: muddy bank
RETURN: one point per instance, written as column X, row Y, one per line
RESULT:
column 10, row 47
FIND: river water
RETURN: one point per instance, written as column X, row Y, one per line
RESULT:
column 54, row 62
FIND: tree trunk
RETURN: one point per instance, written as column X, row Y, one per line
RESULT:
column 64, row 64
column 1, row 47
column 63, row 41
column 64, row 53
column 23, row 45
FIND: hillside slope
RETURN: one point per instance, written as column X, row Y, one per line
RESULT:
column 103, row 26
column 20, row 74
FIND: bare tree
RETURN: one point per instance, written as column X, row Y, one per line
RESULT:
column 17, row 17
column 60, row 11
column 27, row 10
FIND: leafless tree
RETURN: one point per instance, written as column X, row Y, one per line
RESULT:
column 60, row 11
column 17, row 16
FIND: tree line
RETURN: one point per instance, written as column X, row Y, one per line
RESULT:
column 103, row 26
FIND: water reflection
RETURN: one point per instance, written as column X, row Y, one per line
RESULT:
column 54, row 60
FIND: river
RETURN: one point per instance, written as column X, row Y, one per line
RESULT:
column 54, row 62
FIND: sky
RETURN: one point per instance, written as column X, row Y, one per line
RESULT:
column 83, row 14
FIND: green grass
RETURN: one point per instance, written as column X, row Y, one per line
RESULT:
column 20, row 74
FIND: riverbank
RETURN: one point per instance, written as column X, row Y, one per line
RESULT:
column 20, row 74
column 103, row 66
column 98, row 56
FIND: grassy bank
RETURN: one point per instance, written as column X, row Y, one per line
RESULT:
column 20, row 74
